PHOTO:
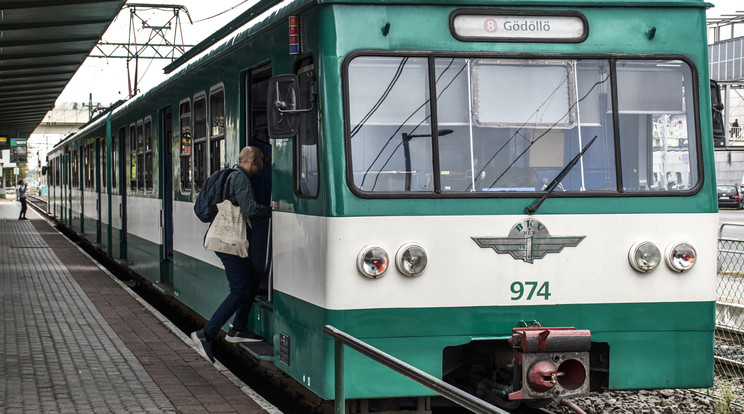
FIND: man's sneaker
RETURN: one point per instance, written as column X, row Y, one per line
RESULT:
column 203, row 345
column 235, row 337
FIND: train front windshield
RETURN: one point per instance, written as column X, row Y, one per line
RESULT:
column 511, row 125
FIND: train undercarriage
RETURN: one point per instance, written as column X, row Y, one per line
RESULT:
column 535, row 366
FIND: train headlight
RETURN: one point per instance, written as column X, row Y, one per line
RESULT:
column 644, row 256
column 373, row 262
column 680, row 256
column 411, row 259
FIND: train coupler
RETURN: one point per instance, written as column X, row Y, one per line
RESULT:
column 550, row 362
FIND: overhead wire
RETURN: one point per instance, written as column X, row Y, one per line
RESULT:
column 222, row 12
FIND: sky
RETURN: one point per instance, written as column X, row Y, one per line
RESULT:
column 725, row 7
column 107, row 79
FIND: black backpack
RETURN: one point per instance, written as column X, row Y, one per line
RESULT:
column 211, row 194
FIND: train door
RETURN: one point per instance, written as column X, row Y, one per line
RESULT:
column 66, row 189
column 166, row 191
column 123, row 185
column 257, row 83
column 97, row 182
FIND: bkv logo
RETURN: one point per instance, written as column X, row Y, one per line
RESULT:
column 528, row 240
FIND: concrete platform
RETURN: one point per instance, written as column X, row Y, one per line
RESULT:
column 75, row 340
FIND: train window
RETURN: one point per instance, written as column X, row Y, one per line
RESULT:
column 91, row 165
column 85, row 149
column 103, row 165
column 75, row 177
column 549, row 110
column 133, row 157
column 185, row 152
column 115, row 142
column 217, row 129
column 148, row 155
column 523, row 149
column 200, row 141
column 258, row 83
column 657, row 125
column 306, row 143
column 140, row 156
column 390, row 133
column 84, row 165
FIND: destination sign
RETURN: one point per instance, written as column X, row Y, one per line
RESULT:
column 519, row 27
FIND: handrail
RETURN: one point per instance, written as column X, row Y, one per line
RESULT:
column 442, row 388
column 720, row 229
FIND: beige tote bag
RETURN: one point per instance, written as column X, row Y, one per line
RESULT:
column 227, row 232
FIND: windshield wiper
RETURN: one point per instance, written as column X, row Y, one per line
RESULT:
column 554, row 184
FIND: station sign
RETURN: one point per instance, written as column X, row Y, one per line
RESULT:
column 18, row 150
column 527, row 26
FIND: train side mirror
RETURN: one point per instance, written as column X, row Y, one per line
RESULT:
column 282, row 106
column 283, row 96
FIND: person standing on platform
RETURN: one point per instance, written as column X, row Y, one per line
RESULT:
column 242, row 277
column 22, row 199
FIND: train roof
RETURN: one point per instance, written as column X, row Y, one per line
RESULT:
column 262, row 6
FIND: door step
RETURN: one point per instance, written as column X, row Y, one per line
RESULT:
column 261, row 350
column 164, row 288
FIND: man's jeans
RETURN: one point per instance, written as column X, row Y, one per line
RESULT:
column 243, row 287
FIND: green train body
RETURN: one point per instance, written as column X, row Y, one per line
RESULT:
column 360, row 174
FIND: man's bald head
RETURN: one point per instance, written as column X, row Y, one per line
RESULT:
column 251, row 159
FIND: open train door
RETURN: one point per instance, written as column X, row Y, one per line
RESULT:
column 258, row 135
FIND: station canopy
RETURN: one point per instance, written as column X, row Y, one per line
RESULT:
column 42, row 45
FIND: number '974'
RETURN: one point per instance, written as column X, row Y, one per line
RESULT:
column 530, row 290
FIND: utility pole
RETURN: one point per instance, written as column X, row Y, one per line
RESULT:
column 156, row 46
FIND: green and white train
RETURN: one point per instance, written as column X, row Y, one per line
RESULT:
column 562, row 176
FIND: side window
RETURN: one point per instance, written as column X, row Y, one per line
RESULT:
column 102, row 150
column 92, row 157
column 185, row 152
column 148, row 155
column 200, row 141
column 75, row 176
column 140, row 156
column 133, row 158
column 306, row 144
column 92, row 165
column 86, row 166
column 258, row 83
column 115, row 156
column 217, row 131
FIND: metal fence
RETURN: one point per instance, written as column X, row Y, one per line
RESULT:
column 729, row 340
